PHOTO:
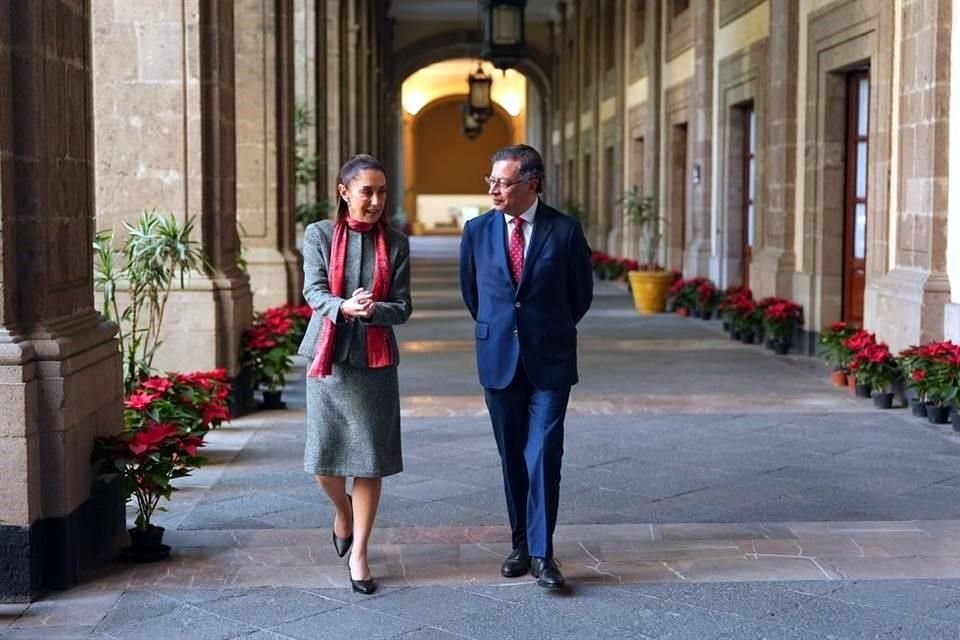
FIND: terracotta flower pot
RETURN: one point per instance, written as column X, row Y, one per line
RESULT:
column 839, row 378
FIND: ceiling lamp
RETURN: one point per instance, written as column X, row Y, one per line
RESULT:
column 471, row 125
column 478, row 96
column 503, row 32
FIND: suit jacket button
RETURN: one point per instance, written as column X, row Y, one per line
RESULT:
column 516, row 304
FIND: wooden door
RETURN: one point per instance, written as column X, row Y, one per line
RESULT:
column 749, row 191
column 855, row 200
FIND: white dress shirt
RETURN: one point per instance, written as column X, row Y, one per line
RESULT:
column 528, row 217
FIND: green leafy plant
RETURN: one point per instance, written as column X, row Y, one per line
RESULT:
column 308, row 209
column 158, row 252
column 270, row 342
column 575, row 211
column 641, row 211
column 832, row 346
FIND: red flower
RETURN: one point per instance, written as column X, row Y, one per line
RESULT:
column 190, row 444
column 159, row 384
column 859, row 340
column 918, row 375
column 215, row 411
column 140, row 400
column 149, row 439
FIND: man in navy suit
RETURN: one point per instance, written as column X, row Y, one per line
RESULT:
column 526, row 278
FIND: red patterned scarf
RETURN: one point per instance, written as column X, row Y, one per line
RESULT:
column 378, row 343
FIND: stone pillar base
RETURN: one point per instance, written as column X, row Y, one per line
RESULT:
column 907, row 307
column 771, row 273
column 951, row 322
column 269, row 277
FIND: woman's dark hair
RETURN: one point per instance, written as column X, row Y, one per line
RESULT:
column 350, row 169
column 531, row 163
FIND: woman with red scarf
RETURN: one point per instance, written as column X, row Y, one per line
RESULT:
column 357, row 280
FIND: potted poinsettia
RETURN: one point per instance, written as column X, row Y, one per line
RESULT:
column 781, row 317
column 148, row 460
column 268, row 348
column 934, row 374
column 165, row 419
column 835, row 352
column 875, row 368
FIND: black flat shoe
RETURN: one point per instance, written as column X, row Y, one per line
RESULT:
column 342, row 545
column 547, row 573
column 366, row 587
column 517, row 564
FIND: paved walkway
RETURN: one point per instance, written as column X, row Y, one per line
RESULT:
column 710, row 490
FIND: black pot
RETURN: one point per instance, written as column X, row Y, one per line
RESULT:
column 883, row 400
column 695, row 312
column 862, row 390
column 706, row 314
column 726, row 325
column 145, row 546
column 746, row 337
column 271, row 400
column 938, row 415
column 781, row 347
column 955, row 419
column 918, row 408
column 734, row 334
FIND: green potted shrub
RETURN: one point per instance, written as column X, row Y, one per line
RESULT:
column 874, row 367
column 649, row 282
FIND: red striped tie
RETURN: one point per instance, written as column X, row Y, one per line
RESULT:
column 516, row 249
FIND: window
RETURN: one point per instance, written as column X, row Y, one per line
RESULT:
column 639, row 11
column 609, row 35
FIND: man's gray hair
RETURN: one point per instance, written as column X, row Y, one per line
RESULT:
column 531, row 163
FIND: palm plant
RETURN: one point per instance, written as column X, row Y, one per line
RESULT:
column 641, row 210
column 157, row 252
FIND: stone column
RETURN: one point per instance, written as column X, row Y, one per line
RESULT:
column 305, row 20
column 913, row 298
column 329, row 89
column 774, row 262
column 164, row 105
column 653, row 52
column 696, row 254
column 59, row 361
column 264, row 112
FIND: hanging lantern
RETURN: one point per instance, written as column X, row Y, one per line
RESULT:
column 479, row 95
column 471, row 125
column 503, row 32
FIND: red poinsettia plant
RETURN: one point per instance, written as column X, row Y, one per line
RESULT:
column 933, row 369
column 165, row 419
column 780, row 318
column 149, row 459
column 874, row 366
column 835, row 352
column 268, row 347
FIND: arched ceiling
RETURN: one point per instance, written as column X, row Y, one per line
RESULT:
column 450, row 78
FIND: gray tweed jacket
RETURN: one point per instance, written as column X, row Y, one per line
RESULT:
column 351, row 341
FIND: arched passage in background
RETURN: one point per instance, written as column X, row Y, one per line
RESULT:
column 444, row 168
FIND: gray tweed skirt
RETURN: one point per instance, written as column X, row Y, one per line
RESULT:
column 353, row 423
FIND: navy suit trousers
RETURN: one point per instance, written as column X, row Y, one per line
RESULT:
column 528, row 427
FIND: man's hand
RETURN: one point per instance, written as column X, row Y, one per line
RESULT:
column 359, row 305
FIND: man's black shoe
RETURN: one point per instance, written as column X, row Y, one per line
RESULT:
column 547, row 573
column 517, row 564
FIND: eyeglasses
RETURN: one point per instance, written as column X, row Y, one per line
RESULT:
column 500, row 182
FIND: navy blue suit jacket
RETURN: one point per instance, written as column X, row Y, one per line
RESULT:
column 535, row 321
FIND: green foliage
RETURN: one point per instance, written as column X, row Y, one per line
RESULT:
column 305, row 171
column 157, row 252
column 575, row 211
column 641, row 210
